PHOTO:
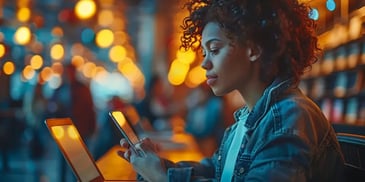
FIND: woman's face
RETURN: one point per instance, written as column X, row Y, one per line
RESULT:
column 227, row 66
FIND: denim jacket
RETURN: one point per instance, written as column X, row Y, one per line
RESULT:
column 287, row 139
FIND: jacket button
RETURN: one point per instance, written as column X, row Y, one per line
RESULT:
column 242, row 170
column 219, row 157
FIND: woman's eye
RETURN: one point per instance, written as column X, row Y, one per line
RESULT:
column 214, row 51
column 203, row 53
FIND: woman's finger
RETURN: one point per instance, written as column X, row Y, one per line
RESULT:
column 124, row 154
column 148, row 144
column 123, row 142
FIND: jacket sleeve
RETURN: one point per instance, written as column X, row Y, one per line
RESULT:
column 186, row 171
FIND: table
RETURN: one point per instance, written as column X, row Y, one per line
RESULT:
column 178, row 147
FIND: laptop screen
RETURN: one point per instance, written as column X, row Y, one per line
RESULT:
column 74, row 149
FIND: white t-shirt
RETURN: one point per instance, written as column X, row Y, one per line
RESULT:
column 234, row 149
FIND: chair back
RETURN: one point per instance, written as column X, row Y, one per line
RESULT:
column 353, row 149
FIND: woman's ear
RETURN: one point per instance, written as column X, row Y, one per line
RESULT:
column 253, row 51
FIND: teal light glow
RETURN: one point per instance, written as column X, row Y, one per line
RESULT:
column 314, row 14
column 331, row 5
column 87, row 35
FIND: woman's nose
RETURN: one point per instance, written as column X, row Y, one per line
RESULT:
column 206, row 64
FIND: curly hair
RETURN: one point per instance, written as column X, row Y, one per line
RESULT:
column 282, row 28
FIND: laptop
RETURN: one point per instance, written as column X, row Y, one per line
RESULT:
column 75, row 151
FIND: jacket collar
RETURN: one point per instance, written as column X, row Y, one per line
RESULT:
column 261, row 107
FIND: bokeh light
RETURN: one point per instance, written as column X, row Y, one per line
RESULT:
column 186, row 57
column 55, row 81
column 85, row 9
column 23, row 14
column 117, row 53
column 177, row 73
column 8, row 68
column 77, row 61
column 36, row 62
column 87, row 35
column 57, row 31
column 57, row 68
column 104, row 38
column 105, row 18
column 28, row 72
column 2, row 50
column 46, row 73
column 314, row 14
column 22, row 35
column 331, row 5
column 57, row 51
column 195, row 77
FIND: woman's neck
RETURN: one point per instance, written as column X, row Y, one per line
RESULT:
column 252, row 93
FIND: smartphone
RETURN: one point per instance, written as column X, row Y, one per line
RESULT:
column 126, row 129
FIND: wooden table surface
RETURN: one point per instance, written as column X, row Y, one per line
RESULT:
column 177, row 147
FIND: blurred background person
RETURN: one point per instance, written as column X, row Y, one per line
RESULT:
column 158, row 106
column 107, row 134
column 11, row 124
column 204, row 118
column 35, row 109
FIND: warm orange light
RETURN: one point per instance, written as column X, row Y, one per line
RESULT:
column 22, row 35
column 72, row 132
column 23, row 14
column 105, row 18
column 28, row 72
column 195, row 77
column 77, row 61
column 117, row 53
column 2, row 50
column 120, row 37
column 85, row 9
column 177, row 72
column 57, row 68
column 88, row 70
column 22, row 3
column 57, row 52
column 58, row 132
column 107, row 2
column 57, row 31
column 131, row 71
column 104, row 38
column 186, row 57
column 46, row 73
column 36, row 62
column 8, row 68
column 99, row 70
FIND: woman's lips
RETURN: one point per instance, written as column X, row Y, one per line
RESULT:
column 211, row 79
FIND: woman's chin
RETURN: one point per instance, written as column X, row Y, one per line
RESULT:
column 218, row 92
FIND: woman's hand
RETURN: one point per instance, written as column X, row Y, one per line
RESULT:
column 145, row 161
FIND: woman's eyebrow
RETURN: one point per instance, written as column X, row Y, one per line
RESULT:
column 210, row 41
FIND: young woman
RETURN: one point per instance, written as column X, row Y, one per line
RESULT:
column 260, row 48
